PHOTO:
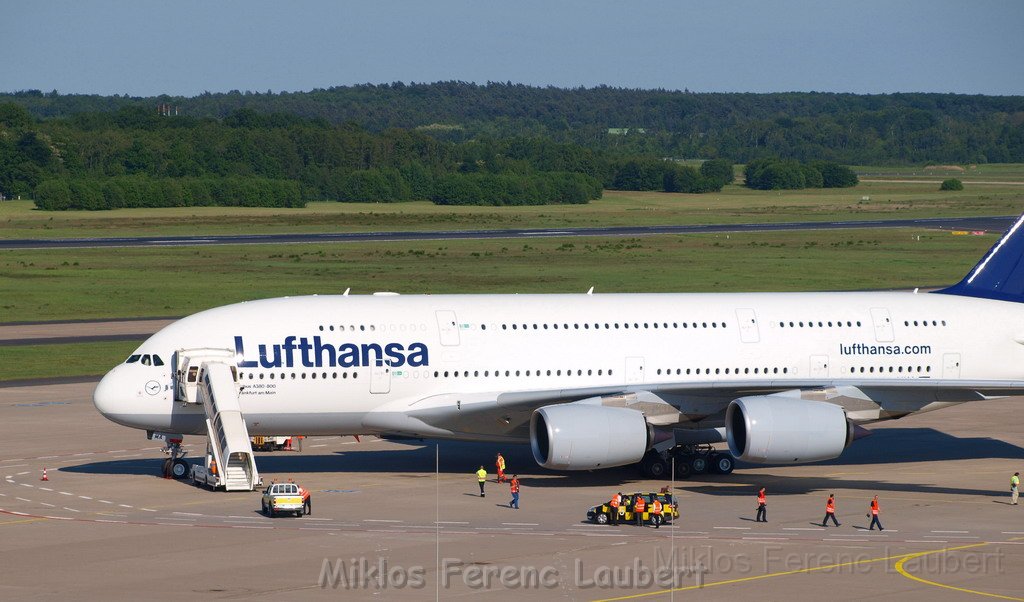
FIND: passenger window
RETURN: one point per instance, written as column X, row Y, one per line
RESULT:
column 146, row 361
column 157, row 361
column 132, row 359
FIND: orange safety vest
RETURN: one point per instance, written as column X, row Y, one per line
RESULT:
column 656, row 507
column 760, row 498
column 514, row 484
column 500, row 463
column 639, row 507
column 615, row 500
column 830, row 506
column 874, row 507
column 304, row 493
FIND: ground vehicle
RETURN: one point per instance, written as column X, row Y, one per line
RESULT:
column 601, row 514
column 282, row 497
column 267, row 443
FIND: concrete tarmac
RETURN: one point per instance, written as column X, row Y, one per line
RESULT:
column 106, row 525
column 991, row 223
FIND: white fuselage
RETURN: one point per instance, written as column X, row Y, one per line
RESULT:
column 326, row 364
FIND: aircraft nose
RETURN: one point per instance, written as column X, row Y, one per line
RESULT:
column 109, row 397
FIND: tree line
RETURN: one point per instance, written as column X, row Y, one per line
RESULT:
column 845, row 128
column 137, row 158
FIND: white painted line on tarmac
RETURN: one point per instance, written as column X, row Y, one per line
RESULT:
column 59, row 517
column 452, row 522
column 18, row 513
column 22, row 473
column 925, row 541
column 46, row 457
column 13, row 460
column 1012, row 532
column 773, row 538
column 380, row 520
column 45, row 489
column 65, row 493
column 601, row 535
column 116, row 451
column 84, row 497
column 318, row 518
column 842, row 540
column 147, row 509
column 173, row 518
column 70, row 509
column 104, row 501
column 21, row 499
column 187, row 513
column 319, row 529
column 319, row 445
column 494, row 528
column 950, row 531
column 124, row 505
column 956, row 536
column 26, row 485
column 803, row 528
column 522, row 524
column 104, row 520
column 739, row 528
column 48, row 505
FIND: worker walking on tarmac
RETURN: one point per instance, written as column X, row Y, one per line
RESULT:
column 514, row 487
column 762, row 507
column 500, row 464
column 830, row 510
column 639, row 505
column 874, row 515
column 656, row 513
column 615, row 503
column 307, row 500
column 481, row 477
column 1014, row 488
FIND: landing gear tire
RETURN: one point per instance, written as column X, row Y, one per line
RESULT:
column 683, row 469
column 722, row 464
column 699, row 465
column 654, row 467
column 179, row 469
column 167, row 468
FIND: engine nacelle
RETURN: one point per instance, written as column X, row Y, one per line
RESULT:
column 582, row 436
column 771, row 429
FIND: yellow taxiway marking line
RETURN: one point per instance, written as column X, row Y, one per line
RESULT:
column 20, row 522
column 793, row 572
column 905, row 573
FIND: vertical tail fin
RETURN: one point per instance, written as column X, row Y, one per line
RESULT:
column 1000, row 273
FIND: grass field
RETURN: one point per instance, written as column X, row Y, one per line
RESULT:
column 79, row 359
column 735, row 204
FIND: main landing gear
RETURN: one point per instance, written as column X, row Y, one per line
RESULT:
column 689, row 460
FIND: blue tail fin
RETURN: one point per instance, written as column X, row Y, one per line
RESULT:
column 1000, row 274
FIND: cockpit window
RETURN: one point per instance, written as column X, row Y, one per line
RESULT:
column 157, row 361
column 146, row 361
column 132, row 359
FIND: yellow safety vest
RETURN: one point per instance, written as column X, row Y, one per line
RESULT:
column 481, row 475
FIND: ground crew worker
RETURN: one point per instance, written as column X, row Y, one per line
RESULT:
column 874, row 515
column 481, row 477
column 500, row 464
column 1014, row 488
column 307, row 500
column 623, row 506
column 639, row 505
column 830, row 510
column 762, row 510
column 514, row 486
column 656, row 513
column 616, row 501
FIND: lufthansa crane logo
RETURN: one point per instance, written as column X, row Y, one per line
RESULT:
column 152, row 387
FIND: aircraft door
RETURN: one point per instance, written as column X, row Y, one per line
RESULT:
column 883, row 325
column 951, row 365
column 819, row 366
column 380, row 377
column 448, row 327
column 634, row 370
column 747, row 320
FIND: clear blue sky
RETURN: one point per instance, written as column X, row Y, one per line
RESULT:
column 184, row 47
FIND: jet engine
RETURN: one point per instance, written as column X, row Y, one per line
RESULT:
column 582, row 436
column 771, row 429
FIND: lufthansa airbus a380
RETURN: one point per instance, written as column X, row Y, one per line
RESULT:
column 589, row 380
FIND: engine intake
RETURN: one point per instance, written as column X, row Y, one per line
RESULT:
column 770, row 429
column 582, row 436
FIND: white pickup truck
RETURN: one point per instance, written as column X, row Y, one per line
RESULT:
column 282, row 497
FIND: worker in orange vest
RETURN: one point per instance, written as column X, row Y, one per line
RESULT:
column 307, row 500
column 639, row 505
column 616, row 500
column 830, row 510
column 656, row 512
column 762, row 509
column 514, row 487
column 874, row 515
column 500, row 464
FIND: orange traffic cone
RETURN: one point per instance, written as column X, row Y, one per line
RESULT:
column 45, row 478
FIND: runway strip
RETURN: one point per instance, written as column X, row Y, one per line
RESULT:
column 988, row 223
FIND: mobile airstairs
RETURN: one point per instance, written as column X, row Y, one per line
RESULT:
column 209, row 377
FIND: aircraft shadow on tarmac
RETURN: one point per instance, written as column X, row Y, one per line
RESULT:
column 416, row 460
